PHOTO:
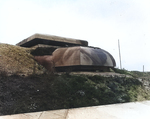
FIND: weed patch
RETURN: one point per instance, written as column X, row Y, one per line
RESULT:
column 50, row 92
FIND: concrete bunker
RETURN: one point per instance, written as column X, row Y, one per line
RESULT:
column 66, row 54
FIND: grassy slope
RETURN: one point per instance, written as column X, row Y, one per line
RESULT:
column 15, row 59
column 50, row 92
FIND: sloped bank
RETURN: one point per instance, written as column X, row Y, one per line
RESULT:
column 32, row 92
column 17, row 60
column 51, row 92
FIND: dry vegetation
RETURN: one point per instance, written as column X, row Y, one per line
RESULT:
column 17, row 60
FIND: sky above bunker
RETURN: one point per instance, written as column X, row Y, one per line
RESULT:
column 100, row 22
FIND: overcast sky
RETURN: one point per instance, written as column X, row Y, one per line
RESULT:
column 100, row 22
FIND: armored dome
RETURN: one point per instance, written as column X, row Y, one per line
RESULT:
column 83, row 58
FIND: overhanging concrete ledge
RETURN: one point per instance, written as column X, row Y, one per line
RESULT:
column 134, row 110
column 51, row 40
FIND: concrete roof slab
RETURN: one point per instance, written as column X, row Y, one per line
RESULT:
column 51, row 40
